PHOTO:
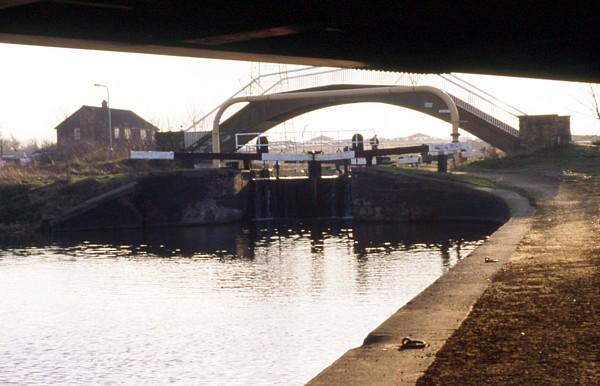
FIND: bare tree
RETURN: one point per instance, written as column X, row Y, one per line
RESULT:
column 14, row 143
column 589, row 102
column 169, row 124
column 595, row 103
column 194, row 115
column 155, row 121
column 30, row 145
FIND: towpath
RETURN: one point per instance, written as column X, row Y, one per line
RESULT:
column 538, row 323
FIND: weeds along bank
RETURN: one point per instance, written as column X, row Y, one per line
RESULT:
column 33, row 193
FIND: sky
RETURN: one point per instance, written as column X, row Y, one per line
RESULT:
column 41, row 86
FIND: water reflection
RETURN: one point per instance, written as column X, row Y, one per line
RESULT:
column 241, row 240
column 258, row 303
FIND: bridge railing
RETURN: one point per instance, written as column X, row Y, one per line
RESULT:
column 256, row 86
column 479, row 103
column 469, row 97
column 329, row 141
column 465, row 94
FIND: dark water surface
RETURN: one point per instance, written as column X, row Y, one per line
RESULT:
column 264, row 303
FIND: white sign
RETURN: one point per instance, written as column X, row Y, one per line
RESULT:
column 449, row 147
column 136, row 154
column 334, row 156
column 414, row 159
column 286, row 157
column 363, row 161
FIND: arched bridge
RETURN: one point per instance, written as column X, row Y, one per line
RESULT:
column 260, row 116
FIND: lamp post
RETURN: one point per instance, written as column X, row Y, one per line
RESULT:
column 110, row 144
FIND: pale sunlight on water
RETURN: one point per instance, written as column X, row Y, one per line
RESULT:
column 261, row 304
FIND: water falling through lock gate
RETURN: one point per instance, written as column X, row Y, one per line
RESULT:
column 328, row 197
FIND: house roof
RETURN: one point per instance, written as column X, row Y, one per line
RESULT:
column 119, row 118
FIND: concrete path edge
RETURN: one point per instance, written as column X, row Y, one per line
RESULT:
column 433, row 315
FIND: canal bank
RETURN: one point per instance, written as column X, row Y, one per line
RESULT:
column 433, row 315
column 537, row 323
column 216, row 196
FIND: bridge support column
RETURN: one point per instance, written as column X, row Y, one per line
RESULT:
column 455, row 136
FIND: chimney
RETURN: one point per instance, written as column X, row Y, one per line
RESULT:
column 104, row 104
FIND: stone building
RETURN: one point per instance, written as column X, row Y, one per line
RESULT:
column 538, row 132
column 86, row 130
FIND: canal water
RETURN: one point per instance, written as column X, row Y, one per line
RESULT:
column 264, row 303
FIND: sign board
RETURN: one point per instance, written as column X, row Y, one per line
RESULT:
column 303, row 157
column 286, row 157
column 334, row 156
column 363, row 161
column 413, row 159
column 448, row 147
column 136, row 154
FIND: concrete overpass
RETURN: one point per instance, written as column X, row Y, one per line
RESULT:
column 555, row 40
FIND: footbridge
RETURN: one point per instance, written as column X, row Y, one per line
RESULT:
column 293, row 94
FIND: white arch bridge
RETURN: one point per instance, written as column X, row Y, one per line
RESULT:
column 286, row 97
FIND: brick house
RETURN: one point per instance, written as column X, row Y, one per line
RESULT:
column 87, row 130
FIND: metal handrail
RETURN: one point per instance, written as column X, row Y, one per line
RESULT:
column 241, row 90
column 486, row 106
column 515, row 110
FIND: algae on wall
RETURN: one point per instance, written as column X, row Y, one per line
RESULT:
column 382, row 195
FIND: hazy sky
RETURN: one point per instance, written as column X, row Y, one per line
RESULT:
column 40, row 86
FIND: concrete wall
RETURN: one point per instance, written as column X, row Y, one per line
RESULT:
column 390, row 195
column 544, row 132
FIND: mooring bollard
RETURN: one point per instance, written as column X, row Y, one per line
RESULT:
column 314, row 176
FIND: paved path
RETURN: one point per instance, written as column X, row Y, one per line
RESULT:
column 539, row 321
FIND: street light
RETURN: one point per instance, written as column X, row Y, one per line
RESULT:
column 110, row 145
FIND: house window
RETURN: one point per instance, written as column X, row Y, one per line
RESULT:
column 117, row 132
column 143, row 134
column 127, row 133
column 77, row 133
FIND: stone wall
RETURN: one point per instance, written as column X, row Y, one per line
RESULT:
column 193, row 197
column 391, row 195
column 544, row 132
column 212, row 196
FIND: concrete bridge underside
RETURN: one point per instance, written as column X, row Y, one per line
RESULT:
column 260, row 116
